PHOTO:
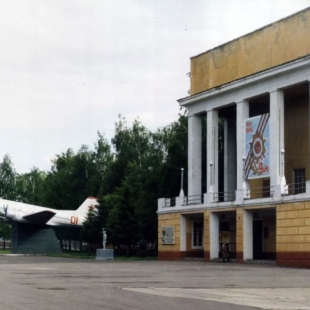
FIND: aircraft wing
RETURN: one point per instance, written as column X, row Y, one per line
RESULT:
column 40, row 217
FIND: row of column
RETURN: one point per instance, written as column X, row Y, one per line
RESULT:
column 195, row 143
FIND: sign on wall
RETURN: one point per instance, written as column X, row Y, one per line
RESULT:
column 257, row 147
column 167, row 234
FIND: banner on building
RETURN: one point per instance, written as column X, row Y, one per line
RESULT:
column 167, row 234
column 257, row 147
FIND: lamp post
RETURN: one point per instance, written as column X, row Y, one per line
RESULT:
column 282, row 162
column 182, row 191
column 211, row 178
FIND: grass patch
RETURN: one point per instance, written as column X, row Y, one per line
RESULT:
column 84, row 255
column 7, row 251
column 81, row 255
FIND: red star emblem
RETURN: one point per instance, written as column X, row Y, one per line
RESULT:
column 91, row 208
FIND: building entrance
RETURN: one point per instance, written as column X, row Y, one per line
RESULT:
column 260, row 234
column 257, row 239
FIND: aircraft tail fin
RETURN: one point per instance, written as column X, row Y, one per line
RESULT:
column 89, row 204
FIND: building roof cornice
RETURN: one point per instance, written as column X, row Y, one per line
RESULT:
column 254, row 78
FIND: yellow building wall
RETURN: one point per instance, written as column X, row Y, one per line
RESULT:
column 290, row 235
column 239, row 235
column 268, row 47
column 172, row 219
column 293, row 227
column 296, row 137
column 256, row 186
column 259, row 188
column 233, row 235
column 206, row 233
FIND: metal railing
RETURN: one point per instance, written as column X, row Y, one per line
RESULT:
column 169, row 202
column 260, row 192
column 296, row 188
column 224, row 196
column 193, row 200
column 185, row 201
column 230, row 196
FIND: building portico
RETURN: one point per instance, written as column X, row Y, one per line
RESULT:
column 257, row 149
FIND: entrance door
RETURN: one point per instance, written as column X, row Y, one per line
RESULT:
column 257, row 239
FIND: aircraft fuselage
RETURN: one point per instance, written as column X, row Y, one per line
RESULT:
column 31, row 214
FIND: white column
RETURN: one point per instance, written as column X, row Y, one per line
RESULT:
column 214, row 235
column 194, row 155
column 160, row 204
column 242, row 184
column 247, row 235
column 212, row 151
column 277, row 139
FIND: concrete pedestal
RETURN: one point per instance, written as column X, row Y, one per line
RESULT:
column 33, row 239
column 104, row 254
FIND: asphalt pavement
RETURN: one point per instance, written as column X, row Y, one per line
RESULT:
column 46, row 283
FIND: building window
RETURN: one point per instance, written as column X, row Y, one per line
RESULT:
column 299, row 181
column 197, row 235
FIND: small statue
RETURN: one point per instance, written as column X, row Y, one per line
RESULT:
column 104, row 238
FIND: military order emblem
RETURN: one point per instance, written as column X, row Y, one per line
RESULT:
column 257, row 147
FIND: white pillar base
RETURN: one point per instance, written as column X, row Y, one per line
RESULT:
column 247, row 235
column 284, row 187
column 214, row 235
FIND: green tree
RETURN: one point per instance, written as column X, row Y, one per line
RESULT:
column 5, row 232
column 130, row 145
column 129, row 173
column 30, row 187
column 175, row 145
column 103, row 159
column 91, row 231
column 64, row 187
column 146, row 166
column 7, row 178
column 74, row 177
column 121, row 221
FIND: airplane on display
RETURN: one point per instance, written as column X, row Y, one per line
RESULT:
column 31, row 214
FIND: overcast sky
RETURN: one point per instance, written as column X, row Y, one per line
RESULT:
column 68, row 68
